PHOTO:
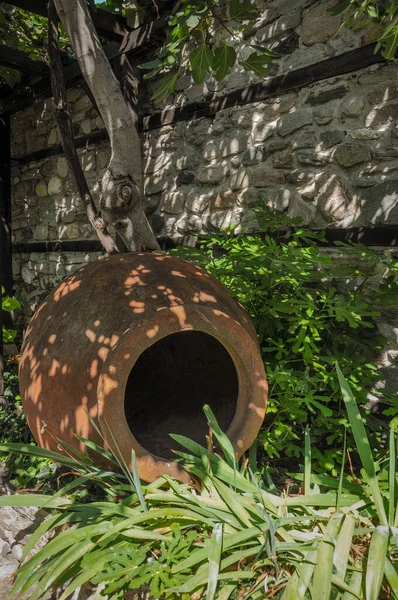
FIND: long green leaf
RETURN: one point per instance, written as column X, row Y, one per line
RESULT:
column 392, row 576
column 214, row 556
column 377, row 555
column 343, row 546
column 392, row 476
column 307, row 461
column 322, row 582
column 362, row 445
column 223, row 440
column 36, row 451
column 355, row 586
column 34, row 500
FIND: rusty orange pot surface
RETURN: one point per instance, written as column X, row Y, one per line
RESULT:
column 141, row 342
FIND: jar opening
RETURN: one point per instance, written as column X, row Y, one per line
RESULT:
column 169, row 384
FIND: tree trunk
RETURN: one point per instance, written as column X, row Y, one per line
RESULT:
column 122, row 187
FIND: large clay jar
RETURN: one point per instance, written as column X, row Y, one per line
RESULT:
column 141, row 342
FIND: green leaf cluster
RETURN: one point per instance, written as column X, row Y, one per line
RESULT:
column 381, row 16
column 306, row 316
column 8, row 304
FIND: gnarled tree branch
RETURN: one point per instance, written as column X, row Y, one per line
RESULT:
column 122, row 187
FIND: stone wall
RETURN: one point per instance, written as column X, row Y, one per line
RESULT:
column 327, row 152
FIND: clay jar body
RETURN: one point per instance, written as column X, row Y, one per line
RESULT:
column 141, row 342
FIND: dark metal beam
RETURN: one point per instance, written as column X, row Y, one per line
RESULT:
column 383, row 236
column 5, row 205
column 106, row 23
column 16, row 59
column 5, row 230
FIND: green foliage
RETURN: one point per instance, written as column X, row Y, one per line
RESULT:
column 371, row 13
column 229, row 536
column 24, row 31
column 8, row 304
column 24, row 471
column 206, row 37
column 305, row 318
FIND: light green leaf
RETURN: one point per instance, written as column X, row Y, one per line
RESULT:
column 322, row 583
column 362, row 444
column 215, row 548
column 201, row 61
column 166, row 87
column 257, row 63
column 376, row 562
column 224, row 60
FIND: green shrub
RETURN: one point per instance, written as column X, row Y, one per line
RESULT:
column 309, row 307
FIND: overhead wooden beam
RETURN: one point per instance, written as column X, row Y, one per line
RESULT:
column 16, row 59
column 25, row 95
column 107, row 24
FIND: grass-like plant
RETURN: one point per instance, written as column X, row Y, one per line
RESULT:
column 228, row 535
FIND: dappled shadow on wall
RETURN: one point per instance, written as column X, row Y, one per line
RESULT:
column 141, row 342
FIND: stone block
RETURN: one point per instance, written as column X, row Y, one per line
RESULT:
column 305, row 138
column 224, row 199
column 382, row 117
column 241, row 179
column 40, row 232
column 301, row 209
column 197, row 201
column 173, row 202
column 285, row 23
column 54, row 186
column 264, row 175
column 62, row 167
column 189, row 223
column 365, row 134
column 41, row 189
column 319, row 25
column 353, row 107
column 248, row 197
column 380, row 203
column 323, row 115
column 210, row 175
column 299, row 177
column 211, row 151
column 387, row 152
column 253, row 156
column 283, row 160
column 27, row 275
column 383, row 94
column 313, row 157
column 293, row 121
column 233, row 145
column 196, row 132
column 278, row 199
column 349, row 154
column 332, row 137
column 185, row 177
column 323, row 96
column 334, row 197
column 237, row 80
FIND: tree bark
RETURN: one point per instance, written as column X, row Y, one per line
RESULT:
column 122, row 188
column 64, row 122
